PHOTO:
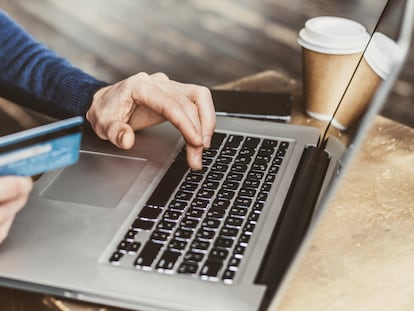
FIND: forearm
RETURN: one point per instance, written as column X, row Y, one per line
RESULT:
column 36, row 77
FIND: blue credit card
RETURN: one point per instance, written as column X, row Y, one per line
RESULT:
column 41, row 149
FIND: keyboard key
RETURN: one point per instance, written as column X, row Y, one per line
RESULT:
column 255, row 175
column 284, row 145
column 246, row 152
column 243, row 202
column 238, row 211
column 205, row 194
column 249, row 228
column 261, row 167
column 243, row 159
column 224, row 242
column 244, row 239
column 239, row 251
column 225, row 194
column 234, row 222
column 233, row 141
column 262, row 196
column 149, row 212
column 196, row 213
column 159, row 236
column 277, row 161
column 177, row 205
column 217, row 176
column 192, row 177
column 216, row 213
column 211, row 269
column 148, row 255
column 238, row 167
column 206, row 235
column 178, row 245
column 219, row 168
column 189, row 223
column 183, row 234
column 210, row 185
column 168, row 260
column 200, row 245
column 221, row 204
column 142, row 225
column 268, row 143
column 251, row 183
column 188, row 186
column 227, row 151
column 218, row 254
column 188, row 268
column 247, row 192
column 193, row 256
column 116, row 257
column 234, row 263
column 134, row 247
column 172, row 215
column 229, row 232
column 209, row 153
column 216, row 140
column 258, row 207
column 235, row 176
column 228, row 276
column 130, row 235
column 200, row 203
column 183, row 195
column 211, row 223
column 253, row 217
column 224, row 159
column 170, row 181
column 230, row 185
column 251, row 142
column 123, row 246
column 165, row 225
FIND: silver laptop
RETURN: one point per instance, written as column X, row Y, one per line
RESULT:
column 138, row 229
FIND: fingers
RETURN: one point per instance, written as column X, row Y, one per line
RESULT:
column 166, row 101
column 144, row 100
column 201, row 97
column 14, row 186
column 14, row 192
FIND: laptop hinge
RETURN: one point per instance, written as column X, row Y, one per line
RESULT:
column 294, row 220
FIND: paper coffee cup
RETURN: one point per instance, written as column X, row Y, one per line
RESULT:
column 375, row 66
column 331, row 50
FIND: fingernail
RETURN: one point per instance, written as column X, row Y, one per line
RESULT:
column 206, row 141
column 197, row 161
column 120, row 137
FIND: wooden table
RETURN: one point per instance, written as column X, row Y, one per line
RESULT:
column 362, row 254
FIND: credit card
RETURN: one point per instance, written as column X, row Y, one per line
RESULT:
column 41, row 149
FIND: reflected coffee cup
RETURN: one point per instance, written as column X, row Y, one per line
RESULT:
column 374, row 67
column 331, row 50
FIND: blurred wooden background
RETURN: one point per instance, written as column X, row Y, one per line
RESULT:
column 201, row 41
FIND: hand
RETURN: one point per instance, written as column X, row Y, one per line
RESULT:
column 14, row 192
column 144, row 100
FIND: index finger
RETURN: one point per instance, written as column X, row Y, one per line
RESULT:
column 149, row 94
column 201, row 97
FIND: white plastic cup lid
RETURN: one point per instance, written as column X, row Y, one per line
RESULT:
column 333, row 35
column 379, row 54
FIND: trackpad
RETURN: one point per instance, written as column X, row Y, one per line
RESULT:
column 97, row 179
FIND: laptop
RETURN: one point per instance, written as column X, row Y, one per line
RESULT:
column 137, row 229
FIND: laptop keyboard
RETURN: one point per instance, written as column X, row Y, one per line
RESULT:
column 199, row 223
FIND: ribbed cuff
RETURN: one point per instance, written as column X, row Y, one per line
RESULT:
column 75, row 91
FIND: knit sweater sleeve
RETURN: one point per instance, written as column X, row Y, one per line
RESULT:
column 36, row 77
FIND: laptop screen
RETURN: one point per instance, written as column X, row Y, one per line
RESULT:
column 375, row 69
column 390, row 34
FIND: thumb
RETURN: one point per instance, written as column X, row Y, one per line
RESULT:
column 121, row 135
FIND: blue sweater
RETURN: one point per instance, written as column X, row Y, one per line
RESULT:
column 34, row 76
